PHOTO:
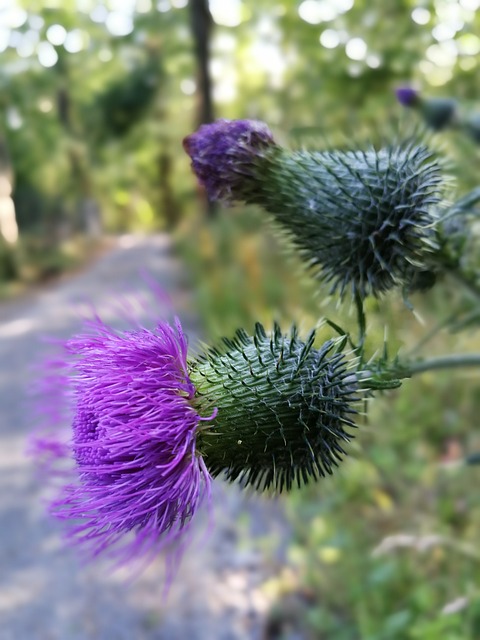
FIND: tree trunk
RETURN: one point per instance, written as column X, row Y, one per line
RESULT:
column 201, row 26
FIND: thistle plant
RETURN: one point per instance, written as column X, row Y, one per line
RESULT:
column 152, row 425
column 438, row 113
column 364, row 221
column 442, row 112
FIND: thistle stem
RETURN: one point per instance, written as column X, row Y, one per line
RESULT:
column 362, row 330
column 392, row 377
column 455, row 361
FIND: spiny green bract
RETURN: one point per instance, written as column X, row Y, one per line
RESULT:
column 363, row 220
column 283, row 408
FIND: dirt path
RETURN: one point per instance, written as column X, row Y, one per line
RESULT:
column 44, row 592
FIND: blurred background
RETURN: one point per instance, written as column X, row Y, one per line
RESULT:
column 95, row 99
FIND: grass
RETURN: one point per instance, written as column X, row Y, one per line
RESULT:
column 387, row 548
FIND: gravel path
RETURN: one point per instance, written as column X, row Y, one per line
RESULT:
column 45, row 594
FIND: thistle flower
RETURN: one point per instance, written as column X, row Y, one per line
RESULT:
column 285, row 408
column 363, row 220
column 151, row 427
column 137, row 479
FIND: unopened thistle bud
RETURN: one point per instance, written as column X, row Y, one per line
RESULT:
column 361, row 219
column 407, row 96
column 438, row 113
column 472, row 127
column 284, row 408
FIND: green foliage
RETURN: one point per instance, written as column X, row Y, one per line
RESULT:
column 383, row 550
column 62, row 122
column 241, row 276
column 8, row 262
column 125, row 102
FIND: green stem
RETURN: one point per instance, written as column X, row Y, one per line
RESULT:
column 455, row 361
column 362, row 328
column 391, row 378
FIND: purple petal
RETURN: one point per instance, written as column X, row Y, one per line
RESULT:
column 134, row 480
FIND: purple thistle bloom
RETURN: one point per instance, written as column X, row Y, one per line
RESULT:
column 137, row 478
column 222, row 154
column 407, row 96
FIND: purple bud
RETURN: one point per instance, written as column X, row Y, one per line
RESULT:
column 224, row 152
column 407, row 96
